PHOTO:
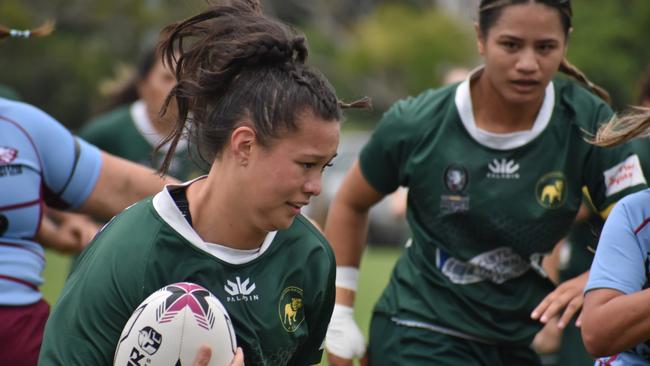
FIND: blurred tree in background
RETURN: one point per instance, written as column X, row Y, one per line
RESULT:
column 385, row 49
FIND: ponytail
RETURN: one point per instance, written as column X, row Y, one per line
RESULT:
column 620, row 129
column 569, row 69
column 41, row 31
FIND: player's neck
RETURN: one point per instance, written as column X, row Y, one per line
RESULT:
column 493, row 113
column 216, row 219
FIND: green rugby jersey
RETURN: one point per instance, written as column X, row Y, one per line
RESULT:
column 484, row 208
column 128, row 132
column 151, row 245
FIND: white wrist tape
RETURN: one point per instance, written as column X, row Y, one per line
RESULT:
column 347, row 277
column 344, row 338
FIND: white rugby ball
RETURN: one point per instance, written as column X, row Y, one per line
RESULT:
column 169, row 326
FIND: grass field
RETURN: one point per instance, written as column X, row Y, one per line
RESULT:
column 376, row 268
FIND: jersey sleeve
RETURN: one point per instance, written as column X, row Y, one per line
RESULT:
column 619, row 262
column 70, row 166
column 612, row 173
column 382, row 158
column 318, row 318
column 96, row 301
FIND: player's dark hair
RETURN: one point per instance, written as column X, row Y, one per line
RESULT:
column 128, row 93
column 43, row 30
column 490, row 11
column 234, row 64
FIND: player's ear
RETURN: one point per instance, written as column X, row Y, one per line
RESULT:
column 241, row 142
column 480, row 39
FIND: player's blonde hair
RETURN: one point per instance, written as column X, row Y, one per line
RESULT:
column 622, row 128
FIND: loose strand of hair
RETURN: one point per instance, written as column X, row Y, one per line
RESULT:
column 569, row 69
column 620, row 129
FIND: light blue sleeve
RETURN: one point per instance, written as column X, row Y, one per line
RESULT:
column 620, row 261
column 70, row 166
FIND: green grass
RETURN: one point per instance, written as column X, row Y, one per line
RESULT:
column 56, row 271
column 376, row 267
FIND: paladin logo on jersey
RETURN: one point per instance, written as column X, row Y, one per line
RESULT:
column 240, row 291
column 503, row 169
column 551, row 190
column 290, row 308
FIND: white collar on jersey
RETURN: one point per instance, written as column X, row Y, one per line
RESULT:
column 144, row 125
column 169, row 212
column 501, row 141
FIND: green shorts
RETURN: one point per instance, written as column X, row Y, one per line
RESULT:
column 395, row 344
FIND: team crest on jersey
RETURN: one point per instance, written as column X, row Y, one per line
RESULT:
column 290, row 308
column 7, row 155
column 551, row 190
column 456, row 178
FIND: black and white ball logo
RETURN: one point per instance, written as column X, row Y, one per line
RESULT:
column 149, row 340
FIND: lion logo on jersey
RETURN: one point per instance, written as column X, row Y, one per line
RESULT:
column 551, row 190
column 290, row 308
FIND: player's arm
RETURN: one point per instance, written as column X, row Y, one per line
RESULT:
column 346, row 229
column 66, row 232
column 608, row 312
column 120, row 184
column 615, row 301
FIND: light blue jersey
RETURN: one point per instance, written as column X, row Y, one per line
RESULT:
column 41, row 163
column 622, row 261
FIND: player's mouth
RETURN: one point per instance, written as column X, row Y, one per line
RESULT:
column 296, row 206
column 525, row 85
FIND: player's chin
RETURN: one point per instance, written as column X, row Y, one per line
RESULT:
column 283, row 222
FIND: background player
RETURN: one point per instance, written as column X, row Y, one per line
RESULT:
column 42, row 164
column 495, row 166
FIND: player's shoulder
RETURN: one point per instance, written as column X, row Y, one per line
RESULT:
column 136, row 225
column 308, row 238
column 28, row 116
column 580, row 105
column 424, row 106
column 635, row 205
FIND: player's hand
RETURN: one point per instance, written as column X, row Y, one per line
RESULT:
column 238, row 360
column 203, row 356
column 568, row 296
column 205, row 353
column 344, row 340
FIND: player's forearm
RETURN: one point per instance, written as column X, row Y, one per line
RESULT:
column 617, row 324
column 120, row 184
column 346, row 229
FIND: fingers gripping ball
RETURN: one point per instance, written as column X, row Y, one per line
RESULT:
column 169, row 327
